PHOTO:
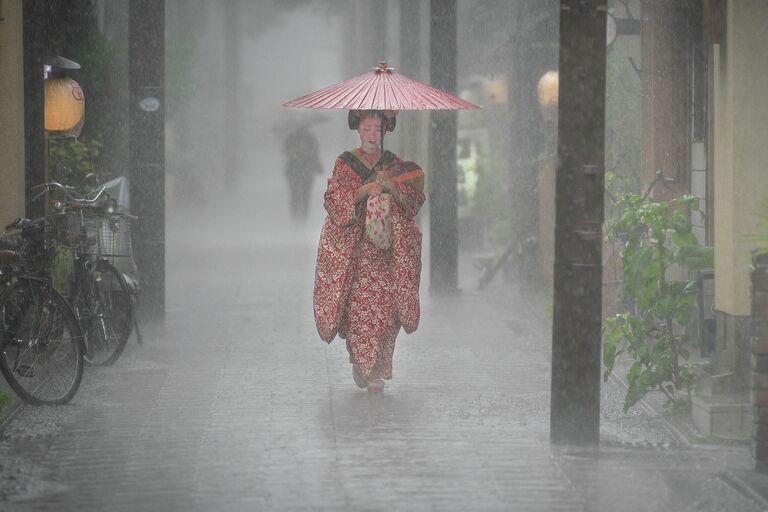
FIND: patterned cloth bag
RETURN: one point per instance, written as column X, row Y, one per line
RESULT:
column 378, row 221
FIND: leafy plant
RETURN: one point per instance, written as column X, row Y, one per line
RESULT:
column 658, row 236
column 71, row 160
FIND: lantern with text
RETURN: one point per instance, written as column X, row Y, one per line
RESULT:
column 64, row 107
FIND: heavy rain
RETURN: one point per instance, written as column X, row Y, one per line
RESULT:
column 383, row 255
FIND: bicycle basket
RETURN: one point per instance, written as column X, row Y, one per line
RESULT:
column 102, row 235
column 77, row 230
column 115, row 236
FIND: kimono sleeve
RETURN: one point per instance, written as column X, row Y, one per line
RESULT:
column 340, row 194
column 410, row 198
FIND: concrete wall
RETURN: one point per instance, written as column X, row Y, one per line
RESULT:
column 11, row 113
column 741, row 149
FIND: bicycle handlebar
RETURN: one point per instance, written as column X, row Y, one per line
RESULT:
column 69, row 192
column 70, row 195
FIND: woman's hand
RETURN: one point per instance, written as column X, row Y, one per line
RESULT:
column 389, row 186
column 386, row 183
column 368, row 190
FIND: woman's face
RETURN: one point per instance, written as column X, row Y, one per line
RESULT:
column 370, row 133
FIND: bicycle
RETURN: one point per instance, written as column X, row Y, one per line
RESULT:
column 41, row 343
column 98, row 292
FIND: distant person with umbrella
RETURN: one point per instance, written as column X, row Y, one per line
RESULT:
column 369, row 255
column 302, row 163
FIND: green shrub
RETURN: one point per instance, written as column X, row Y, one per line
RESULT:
column 658, row 235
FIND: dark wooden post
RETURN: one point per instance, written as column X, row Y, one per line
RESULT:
column 666, row 62
column 575, row 415
column 37, row 19
column 443, row 212
column 410, row 59
column 760, row 363
column 147, row 147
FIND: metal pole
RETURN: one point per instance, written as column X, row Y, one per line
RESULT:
column 575, row 414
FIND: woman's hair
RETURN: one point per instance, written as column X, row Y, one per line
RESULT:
column 355, row 116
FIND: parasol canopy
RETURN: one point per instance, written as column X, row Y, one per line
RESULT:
column 381, row 89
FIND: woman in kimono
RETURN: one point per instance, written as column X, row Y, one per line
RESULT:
column 369, row 255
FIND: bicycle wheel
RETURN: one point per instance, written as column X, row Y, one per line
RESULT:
column 41, row 349
column 105, row 312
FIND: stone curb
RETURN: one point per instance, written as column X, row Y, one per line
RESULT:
column 681, row 438
column 741, row 482
column 745, row 482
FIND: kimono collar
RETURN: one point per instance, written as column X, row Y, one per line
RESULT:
column 361, row 168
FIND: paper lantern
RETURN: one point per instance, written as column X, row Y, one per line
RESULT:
column 497, row 90
column 548, row 89
column 64, row 104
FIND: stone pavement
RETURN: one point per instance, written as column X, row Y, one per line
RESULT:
column 233, row 403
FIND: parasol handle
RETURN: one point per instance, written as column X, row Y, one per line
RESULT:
column 382, row 134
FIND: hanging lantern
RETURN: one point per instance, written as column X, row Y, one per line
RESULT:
column 496, row 89
column 548, row 89
column 64, row 106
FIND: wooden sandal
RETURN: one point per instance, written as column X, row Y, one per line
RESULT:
column 375, row 386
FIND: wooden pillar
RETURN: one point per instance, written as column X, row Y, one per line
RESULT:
column 147, row 147
column 37, row 20
column 12, row 140
column 759, row 345
column 410, row 66
column 666, row 56
column 443, row 209
column 579, row 189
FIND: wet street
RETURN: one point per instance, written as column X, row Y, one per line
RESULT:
column 615, row 144
column 234, row 403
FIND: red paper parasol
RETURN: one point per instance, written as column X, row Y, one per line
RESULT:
column 381, row 89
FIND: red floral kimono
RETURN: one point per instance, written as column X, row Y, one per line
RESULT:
column 363, row 293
